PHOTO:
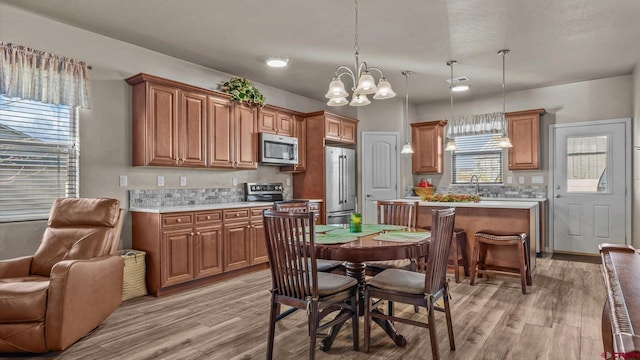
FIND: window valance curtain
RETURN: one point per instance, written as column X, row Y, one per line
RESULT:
column 491, row 123
column 39, row 76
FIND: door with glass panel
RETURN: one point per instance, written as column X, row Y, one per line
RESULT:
column 590, row 176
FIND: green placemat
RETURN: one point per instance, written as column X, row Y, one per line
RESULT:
column 367, row 229
column 325, row 228
column 331, row 238
column 403, row 236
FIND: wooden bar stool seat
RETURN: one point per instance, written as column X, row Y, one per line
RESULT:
column 458, row 256
column 512, row 248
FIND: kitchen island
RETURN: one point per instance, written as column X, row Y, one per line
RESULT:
column 509, row 216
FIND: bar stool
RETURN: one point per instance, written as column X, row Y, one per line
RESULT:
column 458, row 256
column 514, row 256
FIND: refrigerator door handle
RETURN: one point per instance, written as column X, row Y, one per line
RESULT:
column 340, row 179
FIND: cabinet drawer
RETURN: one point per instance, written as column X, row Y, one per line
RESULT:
column 173, row 220
column 209, row 217
column 236, row 214
column 257, row 212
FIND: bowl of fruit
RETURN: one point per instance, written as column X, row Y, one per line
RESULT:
column 424, row 188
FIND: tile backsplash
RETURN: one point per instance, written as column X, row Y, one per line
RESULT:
column 157, row 198
column 491, row 191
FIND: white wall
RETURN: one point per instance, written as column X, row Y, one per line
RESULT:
column 105, row 129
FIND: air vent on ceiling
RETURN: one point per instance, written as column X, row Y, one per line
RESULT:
column 458, row 79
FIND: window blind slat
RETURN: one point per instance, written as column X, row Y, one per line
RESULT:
column 38, row 157
column 477, row 155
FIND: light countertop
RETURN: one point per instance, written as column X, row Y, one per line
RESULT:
column 495, row 204
column 186, row 208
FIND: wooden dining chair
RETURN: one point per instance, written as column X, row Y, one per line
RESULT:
column 395, row 213
column 418, row 289
column 296, row 281
column 303, row 206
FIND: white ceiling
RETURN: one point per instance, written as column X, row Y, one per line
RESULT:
column 551, row 41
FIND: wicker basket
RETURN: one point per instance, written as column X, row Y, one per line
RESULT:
column 133, row 284
column 424, row 191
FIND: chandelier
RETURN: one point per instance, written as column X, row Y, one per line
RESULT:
column 363, row 82
column 504, row 141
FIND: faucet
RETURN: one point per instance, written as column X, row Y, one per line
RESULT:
column 477, row 182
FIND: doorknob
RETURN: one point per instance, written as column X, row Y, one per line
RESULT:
column 368, row 195
column 557, row 187
column 557, row 195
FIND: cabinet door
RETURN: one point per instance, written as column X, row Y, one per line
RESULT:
column 207, row 251
column 192, row 124
column 177, row 256
column 237, row 246
column 524, row 133
column 332, row 129
column 162, row 126
column 428, row 142
column 258, row 243
column 246, row 141
column 267, row 120
column 284, row 124
column 348, row 132
column 220, row 132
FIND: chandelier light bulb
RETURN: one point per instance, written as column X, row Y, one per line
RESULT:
column 384, row 90
column 337, row 101
column 336, row 89
column 359, row 100
column 366, row 84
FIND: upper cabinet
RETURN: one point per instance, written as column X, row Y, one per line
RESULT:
column 524, row 133
column 276, row 120
column 428, row 147
column 176, row 124
column 339, row 128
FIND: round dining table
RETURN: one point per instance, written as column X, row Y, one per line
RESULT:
column 367, row 248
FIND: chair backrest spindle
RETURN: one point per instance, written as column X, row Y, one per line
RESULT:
column 398, row 213
column 441, row 236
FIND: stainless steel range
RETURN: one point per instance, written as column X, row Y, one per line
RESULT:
column 263, row 192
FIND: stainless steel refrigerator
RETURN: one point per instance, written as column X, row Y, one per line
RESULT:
column 340, row 184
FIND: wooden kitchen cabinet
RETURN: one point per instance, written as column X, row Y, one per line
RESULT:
column 185, row 249
column 168, row 123
column 245, row 137
column 340, row 128
column 275, row 120
column 232, row 135
column 300, row 132
column 428, row 147
column 524, row 133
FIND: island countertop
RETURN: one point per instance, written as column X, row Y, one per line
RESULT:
column 490, row 204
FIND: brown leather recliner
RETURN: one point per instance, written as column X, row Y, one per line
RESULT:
column 73, row 282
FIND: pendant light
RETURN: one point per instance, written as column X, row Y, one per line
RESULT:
column 406, row 148
column 504, row 141
column 451, row 144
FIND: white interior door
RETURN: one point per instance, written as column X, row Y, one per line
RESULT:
column 590, row 176
column 379, row 170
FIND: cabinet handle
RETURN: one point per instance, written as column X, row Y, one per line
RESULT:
column 208, row 217
column 237, row 214
column 198, row 233
column 178, row 220
column 191, row 234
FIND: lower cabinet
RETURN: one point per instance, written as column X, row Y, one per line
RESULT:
column 187, row 246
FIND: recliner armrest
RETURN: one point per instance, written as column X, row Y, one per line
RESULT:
column 82, row 294
column 16, row 267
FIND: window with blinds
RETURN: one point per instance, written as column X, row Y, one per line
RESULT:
column 38, row 157
column 477, row 155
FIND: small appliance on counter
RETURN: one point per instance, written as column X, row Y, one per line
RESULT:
column 267, row 192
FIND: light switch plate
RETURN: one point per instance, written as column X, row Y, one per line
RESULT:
column 509, row 179
column 537, row 179
column 123, row 180
column 234, row 181
column 183, row 181
column 520, row 179
column 288, row 181
column 160, row 180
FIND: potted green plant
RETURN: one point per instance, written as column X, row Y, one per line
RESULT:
column 242, row 90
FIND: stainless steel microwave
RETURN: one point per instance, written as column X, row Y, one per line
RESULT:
column 278, row 149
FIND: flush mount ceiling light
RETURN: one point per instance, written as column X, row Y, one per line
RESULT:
column 459, row 88
column 406, row 148
column 504, row 141
column 451, row 144
column 277, row 62
column 363, row 82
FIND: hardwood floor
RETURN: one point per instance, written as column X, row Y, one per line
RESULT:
column 558, row 318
